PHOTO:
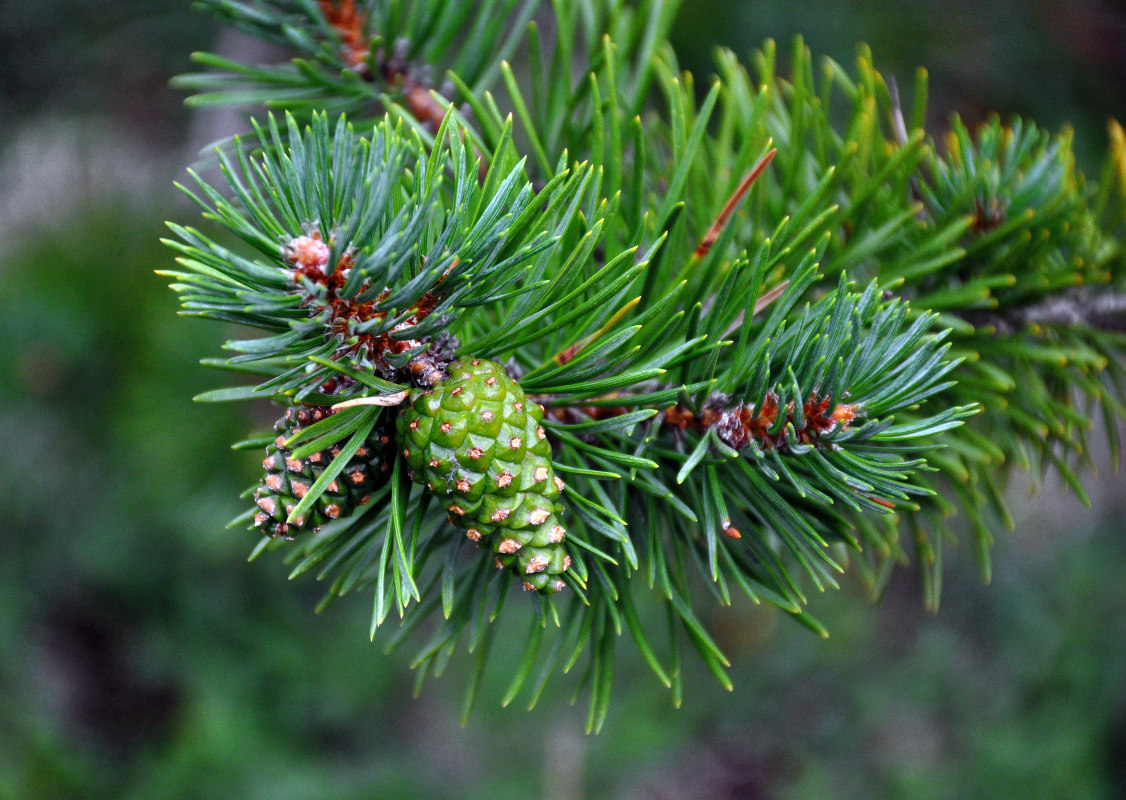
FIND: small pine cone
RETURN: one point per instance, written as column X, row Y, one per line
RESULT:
column 288, row 479
column 475, row 441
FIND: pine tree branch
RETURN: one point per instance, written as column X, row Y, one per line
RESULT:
column 711, row 435
column 1105, row 311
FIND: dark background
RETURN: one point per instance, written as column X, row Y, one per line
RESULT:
column 142, row 657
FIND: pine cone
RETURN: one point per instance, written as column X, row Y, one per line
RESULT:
column 288, row 479
column 475, row 441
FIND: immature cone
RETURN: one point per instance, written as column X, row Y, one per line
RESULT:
column 475, row 441
column 288, row 479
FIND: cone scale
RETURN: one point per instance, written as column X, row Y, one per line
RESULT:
column 287, row 479
column 475, row 441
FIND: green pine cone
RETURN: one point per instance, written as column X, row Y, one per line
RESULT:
column 475, row 441
column 288, row 479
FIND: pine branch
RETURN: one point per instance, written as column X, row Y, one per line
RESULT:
column 1105, row 311
column 684, row 403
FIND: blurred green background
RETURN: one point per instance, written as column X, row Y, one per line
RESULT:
column 142, row 657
